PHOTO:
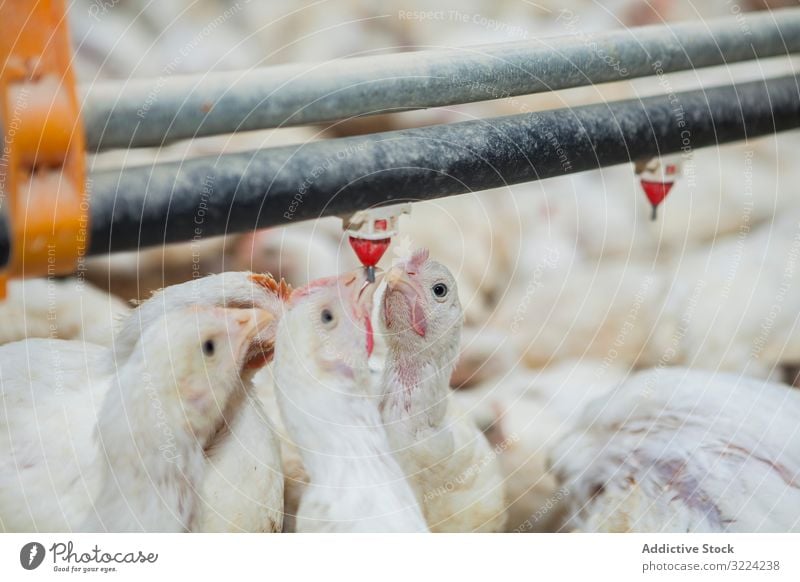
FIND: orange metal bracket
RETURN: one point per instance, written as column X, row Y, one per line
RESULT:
column 42, row 162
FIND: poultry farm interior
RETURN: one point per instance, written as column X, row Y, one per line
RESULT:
column 580, row 364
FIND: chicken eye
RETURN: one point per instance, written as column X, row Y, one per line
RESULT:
column 440, row 290
column 326, row 316
column 209, row 347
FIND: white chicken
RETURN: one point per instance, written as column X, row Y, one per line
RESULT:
column 299, row 253
column 485, row 353
column 93, row 444
column 680, row 450
column 59, row 309
column 523, row 413
column 243, row 485
column 453, row 471
column 604, row 311
column 732, row 306
column 716, row 307
column 520, row 431
column 323, row 389
column 136, row 275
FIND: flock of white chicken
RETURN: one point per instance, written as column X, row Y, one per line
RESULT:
column 585, row 368
column 174, row 428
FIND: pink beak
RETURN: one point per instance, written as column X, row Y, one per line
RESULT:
column 362, row 294
column 252, row 331
column 398, row 281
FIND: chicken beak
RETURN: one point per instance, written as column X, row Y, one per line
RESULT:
column 399, row 281
column 255, row 337
column 366, row 294
column 362, row 294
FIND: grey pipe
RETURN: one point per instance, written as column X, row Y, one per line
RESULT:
column 152, row 112
column 179, row 201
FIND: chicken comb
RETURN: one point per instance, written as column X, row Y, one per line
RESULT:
column 417, row 259
column 282, row 289
column 313, row 285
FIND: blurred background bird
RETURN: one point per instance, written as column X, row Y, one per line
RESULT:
column 679, row 450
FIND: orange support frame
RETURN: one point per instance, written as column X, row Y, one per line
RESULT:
column 42, row 162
